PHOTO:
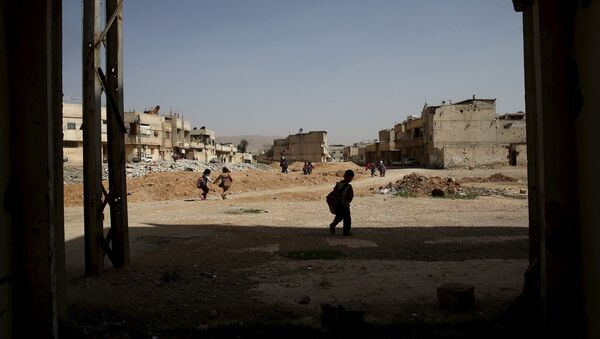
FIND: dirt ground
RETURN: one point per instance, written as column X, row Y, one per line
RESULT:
column 262, row 262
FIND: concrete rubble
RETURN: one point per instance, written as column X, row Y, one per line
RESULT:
column 419, row 185
column 74, row 174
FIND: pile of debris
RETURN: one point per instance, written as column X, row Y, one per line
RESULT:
column 497, row 177
column 74, row 174
column 416, row 184
column 419, row 185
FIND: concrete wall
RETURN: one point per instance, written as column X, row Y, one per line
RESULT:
column 475, row 155
column 311, row 146
column 464, row 123
column 511, row 131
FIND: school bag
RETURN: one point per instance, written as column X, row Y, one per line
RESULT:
column 333, row 199
column 200, row 183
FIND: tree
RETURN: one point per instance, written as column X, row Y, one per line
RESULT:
column 241, row 147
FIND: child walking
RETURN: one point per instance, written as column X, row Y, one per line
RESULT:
column 202, row 183
column 226, row 180
column 345, row 195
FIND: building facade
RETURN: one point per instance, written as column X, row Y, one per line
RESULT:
column 311, row 146
column 151, row 137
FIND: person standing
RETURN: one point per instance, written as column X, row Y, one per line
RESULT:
column 202, row 183
column 345, row 194
column 226, row 179
column 381, row 169
column 284, row 165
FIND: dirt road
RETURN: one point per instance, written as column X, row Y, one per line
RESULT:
column 264, row 255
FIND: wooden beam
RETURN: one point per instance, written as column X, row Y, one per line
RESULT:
column 92, row 150
column 116, row 136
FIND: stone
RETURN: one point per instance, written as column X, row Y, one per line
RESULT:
column 523, row 191
column 456, row 296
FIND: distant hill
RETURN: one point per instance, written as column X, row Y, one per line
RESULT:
column 255, row 142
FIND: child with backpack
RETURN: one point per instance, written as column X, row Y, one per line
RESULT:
column 343, row 194
column 226, row 180
column 202, row 183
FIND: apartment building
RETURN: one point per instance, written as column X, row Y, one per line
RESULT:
column 150, row 137
column 73, row 134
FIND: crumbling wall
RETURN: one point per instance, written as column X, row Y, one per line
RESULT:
column 475, row 155
column 511, row 131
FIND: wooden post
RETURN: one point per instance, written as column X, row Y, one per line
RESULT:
column 92, row 126
column 116, row 139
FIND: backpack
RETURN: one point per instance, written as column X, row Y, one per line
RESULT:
column 333, row 199
column 200, row 183
column 225, row 182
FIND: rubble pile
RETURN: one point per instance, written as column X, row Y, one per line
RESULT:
column 74, row 174
column 417, row 184
column 497, row 177
column 420, row 185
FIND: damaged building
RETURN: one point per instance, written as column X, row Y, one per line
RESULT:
column 465, row 133
column 151, row 136
column 311, row 146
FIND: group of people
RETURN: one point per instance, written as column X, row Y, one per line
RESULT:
column 224, row 180
column 307, row 168
column 343, row 192
column 378, row 166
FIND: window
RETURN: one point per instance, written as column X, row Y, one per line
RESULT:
column 71, row 125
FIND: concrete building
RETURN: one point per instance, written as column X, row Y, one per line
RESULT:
column 73, row 134
column 466, row 133
column 148, row 136
column 336, row 153
column 202, row 144
column 512, row 135
column 409, row 140
column 311, row 146
column 151, row 137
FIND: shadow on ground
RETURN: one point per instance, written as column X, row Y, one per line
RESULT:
column 224, row 281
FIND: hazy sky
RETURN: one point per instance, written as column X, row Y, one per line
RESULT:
column 271, row 67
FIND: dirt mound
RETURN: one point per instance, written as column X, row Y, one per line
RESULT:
column 181, row 185
column 496, row 177
column 421, row 185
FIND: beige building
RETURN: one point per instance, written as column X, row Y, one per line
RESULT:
column 73, row 134
column 409, row 140
column 151, row 136
column 148, row 136
column 336, row 153
column 466, row 133
column 311, row 146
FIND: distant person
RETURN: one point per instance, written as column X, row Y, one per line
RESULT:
column 202, row 183
column 371, row 166
column 284, row 165
column 381, row 168
column 226, row 179
column 345, row 194
column 310, row 167
column 305, row 168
